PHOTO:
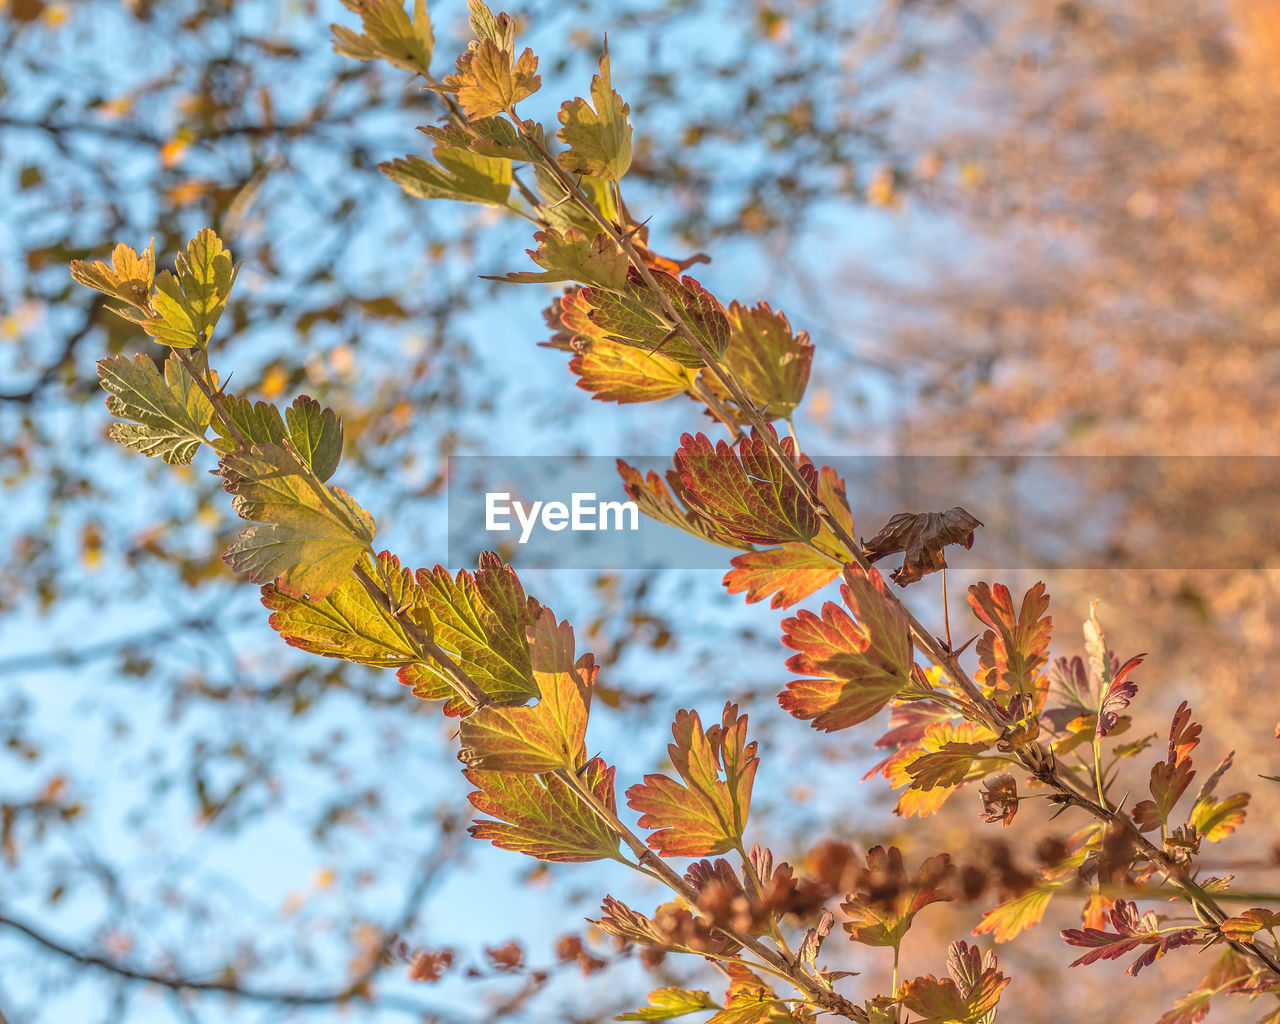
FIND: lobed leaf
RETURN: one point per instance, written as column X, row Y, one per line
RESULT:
column 1120, row 691
column 1017, row 914
column 855, row 668
column 129, row 277
column 672, row 1002
column 744, row 491
column 598, row 137
column 572, row 255
column 351, row 625
column 550, row 734
column 389, row 34
column 659, row 501
column 789, row 573
column 620, row 373
column 458, row 174
column 169, row 415
column 542, row 816
column 882, row 910
column 707, row 813
column 308, row 536
column 1016, row 646
column 488, row 82
column 770, row 360
column 189, row 303
column 1132, row 931
column 483, row 621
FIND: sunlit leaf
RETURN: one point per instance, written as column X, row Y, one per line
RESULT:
column 770, row 360
column 1016, row 646
column 307, row 537
column 623, row 374
column 189, row 303
column 388, row 35
column 599, row 139
column 706, row 813
column 169, row 415
column 129, row 277
column 482, row 621
column 1017, row 914
column 881, row 911
column 574, row 256
column 789, row 573
column 660, row 499
column 855, row 668
column 488, row 82
column 315, row 434
column 550, row 734
column 745, row 492
column 669, row 1003
column 349, row 623
column 458, row 174
column 542, row 816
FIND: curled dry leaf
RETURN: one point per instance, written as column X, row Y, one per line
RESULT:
column 921, row 536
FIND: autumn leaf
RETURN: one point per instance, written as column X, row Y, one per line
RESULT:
column 636, row 316
column 572, row 255
column 129, row 277
column 1120, row 691
column 488, row 136
column 770, row 360
column 887, row 900
column 1016, row 914
column 487, row 81
column 1170, row 777
column 351, row 625
column 458, row 174
column 1215, row 819
column 1016, row 647
column 169, row 415
column 707, row 813
column 789, row 573
column 1132, row 931
column 550, row 734
column 969, row 996
column 939, row 741
column 945, row 767
column 1000, row 799
column 855, row 667
column 307, row 537
column 599, row 139
column 669, row 1003
column 921, row 537
column 622, row 374
column 1228, row 973
column 481, row 620
column 542, row 816
column 388, row 35
column 744, row 491
column 657, row 499
column 189, row 303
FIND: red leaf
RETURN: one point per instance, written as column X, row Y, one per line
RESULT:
column 859, row 666
column 1017, row 646
column 1132, row 931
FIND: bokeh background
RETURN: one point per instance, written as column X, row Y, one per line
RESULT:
column 1014, row 227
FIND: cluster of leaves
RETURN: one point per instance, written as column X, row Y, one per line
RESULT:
column 501, row 662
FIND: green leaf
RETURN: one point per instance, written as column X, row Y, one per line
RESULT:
column 388, row 35
column 459, row 174
column 669, row 1003
column 482, row 620
column 573, row 256
column 351, row 625
column 599, row 139
column 488, row 136
column 169, row 415
column 542, row 816
column 315, row 434
column 189, row 303
column 308, row 536
column 552, row 733
column 258, row 423
column 855, row 668
column 707, row 814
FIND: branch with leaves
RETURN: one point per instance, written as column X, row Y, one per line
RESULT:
column 640, row 330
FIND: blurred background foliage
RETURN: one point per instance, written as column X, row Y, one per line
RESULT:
column 1017, row 227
